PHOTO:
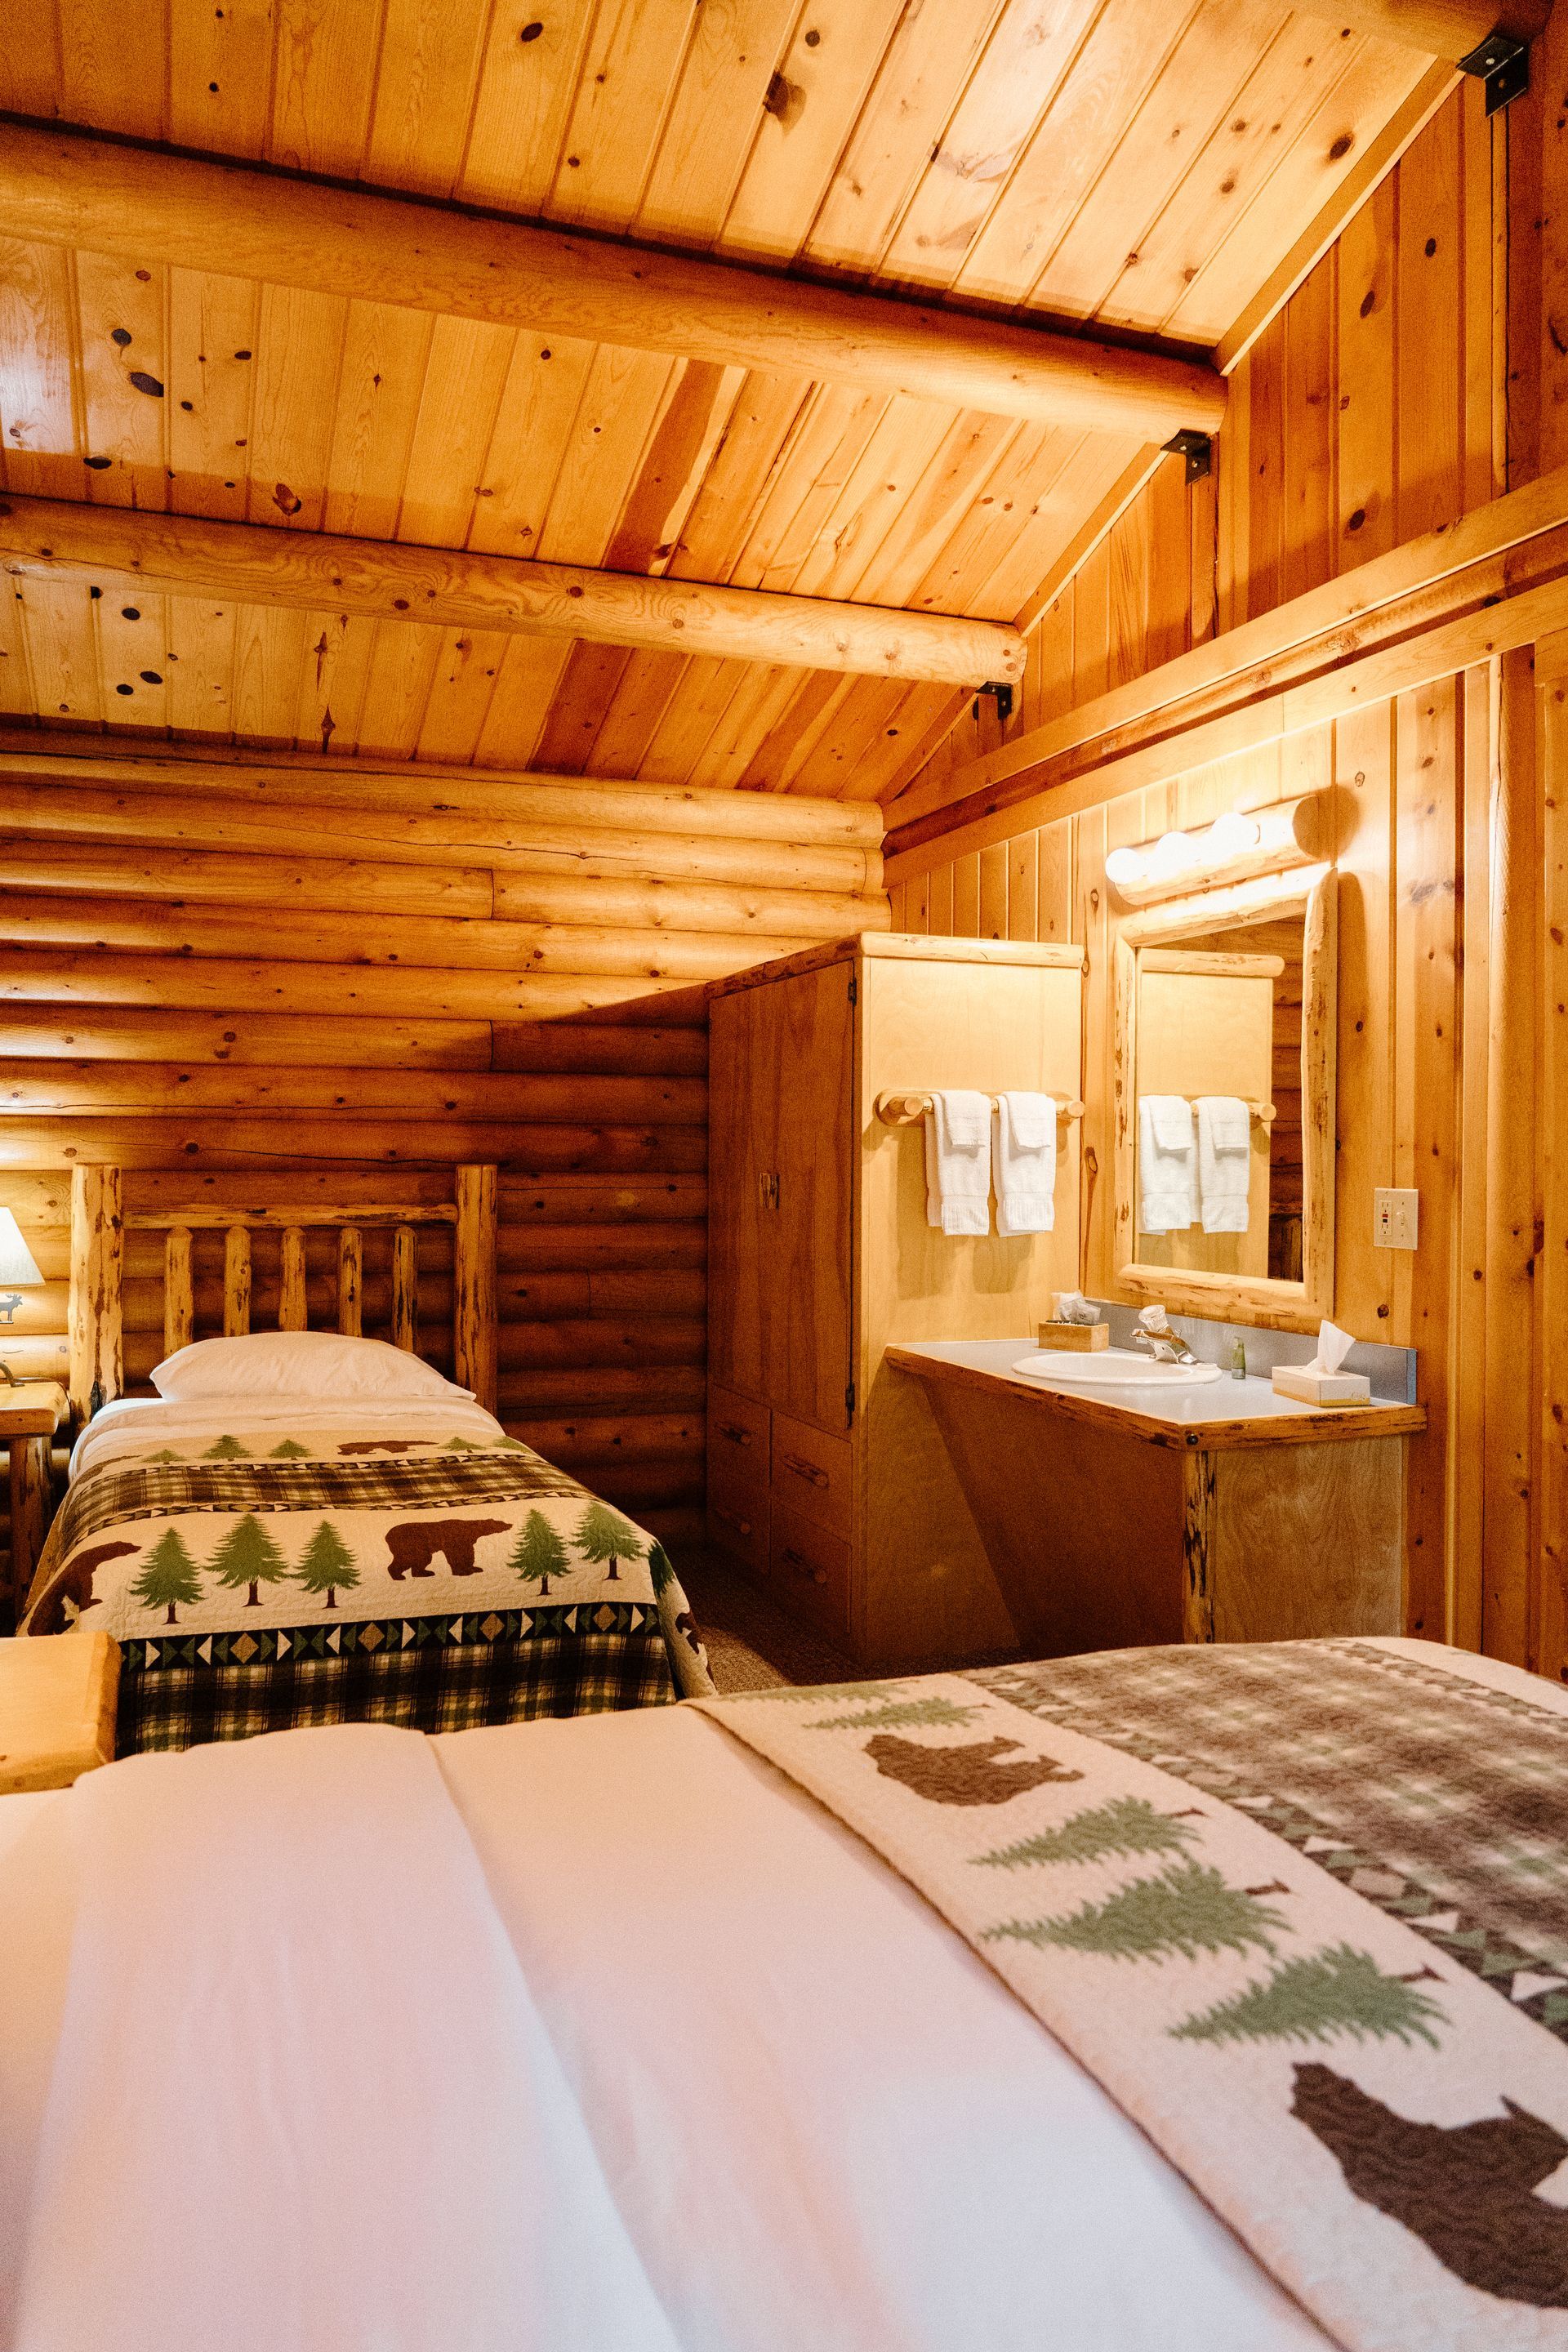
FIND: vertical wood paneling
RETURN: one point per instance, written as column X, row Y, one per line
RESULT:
column 1362, row 416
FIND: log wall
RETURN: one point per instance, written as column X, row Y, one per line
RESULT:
column 259, row 982
column 1376, row 407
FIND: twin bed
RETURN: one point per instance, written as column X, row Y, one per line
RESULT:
column 296, row 1550
column 301, row 1528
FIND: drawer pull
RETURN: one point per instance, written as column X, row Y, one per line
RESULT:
column 734, row 1433
column 733, row 1519
column 807, row 1470
column 797, row 1559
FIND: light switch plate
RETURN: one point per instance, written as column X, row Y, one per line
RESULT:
column 1395, row 1217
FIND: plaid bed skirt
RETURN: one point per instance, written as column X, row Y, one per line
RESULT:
column 425, row 1673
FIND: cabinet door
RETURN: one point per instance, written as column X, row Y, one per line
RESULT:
column 806, row 1045
column 743, row 1102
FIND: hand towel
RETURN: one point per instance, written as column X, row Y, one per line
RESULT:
column 1224, row 1162
column 1024, row 1149
column 1167, row 1173
column 958, row 1161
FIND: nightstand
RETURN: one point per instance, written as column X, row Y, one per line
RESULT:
column 30, row 1413
column 58, row 1697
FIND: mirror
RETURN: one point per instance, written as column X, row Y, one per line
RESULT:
column 1224, row 1100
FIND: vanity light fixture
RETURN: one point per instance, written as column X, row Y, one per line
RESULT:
column 1235, row 846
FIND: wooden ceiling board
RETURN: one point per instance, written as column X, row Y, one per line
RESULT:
column 1022, row 65
column 808, row 112
column 1375, row 83
column 521, row 108
column 1069, row 156
column 1194, row 94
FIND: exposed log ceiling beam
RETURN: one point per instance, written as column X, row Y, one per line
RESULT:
column 114, row 546
column 62, row 188
column 1443, row 28
column 1436, row 604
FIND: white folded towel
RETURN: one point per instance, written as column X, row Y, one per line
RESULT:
column 1167, row 1173
column 1224, row 1162
column 958, row 1161
column 1024, row 1149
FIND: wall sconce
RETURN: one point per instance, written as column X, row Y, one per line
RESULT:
column 18, row 1272
column 1235, row 846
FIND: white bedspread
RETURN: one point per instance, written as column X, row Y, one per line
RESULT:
column 771, row 2086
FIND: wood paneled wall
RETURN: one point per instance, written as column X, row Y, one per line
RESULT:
column 267, row 980
column 1372, row 410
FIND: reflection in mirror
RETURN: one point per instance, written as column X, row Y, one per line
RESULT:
column 1218, row 1088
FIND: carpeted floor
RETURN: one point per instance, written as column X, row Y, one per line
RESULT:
column 751, row 1645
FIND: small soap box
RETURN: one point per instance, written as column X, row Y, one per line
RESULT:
column 1083, row 1338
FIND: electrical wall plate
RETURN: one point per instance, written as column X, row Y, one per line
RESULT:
column 1395, row 1217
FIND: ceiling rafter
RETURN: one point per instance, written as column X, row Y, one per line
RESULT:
column 65, row 188
column 58, row 538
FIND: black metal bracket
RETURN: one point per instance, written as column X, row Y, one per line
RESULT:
column 1197, row 448
column 1503, row 64
column 1004, row 699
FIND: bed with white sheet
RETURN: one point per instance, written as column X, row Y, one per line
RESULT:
column 305, row 1528
column 569, row 2036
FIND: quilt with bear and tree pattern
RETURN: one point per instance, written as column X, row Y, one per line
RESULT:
column 262, row 1581
column 1301, row 1908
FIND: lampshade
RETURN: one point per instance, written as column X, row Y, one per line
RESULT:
column 18, row 1268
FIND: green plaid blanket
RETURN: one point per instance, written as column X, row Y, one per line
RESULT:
column 1301, row 1909
column 262, row 1584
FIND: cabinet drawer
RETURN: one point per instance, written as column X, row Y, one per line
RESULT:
column 740, row 1530
column 810, row 1473
column 737, row 1438
column 810, row 1570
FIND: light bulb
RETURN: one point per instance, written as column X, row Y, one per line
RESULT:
column 1172, row 853
column 1124, row 867
column 1233, row 835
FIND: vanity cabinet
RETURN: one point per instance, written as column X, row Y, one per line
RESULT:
column 1221, row 1513
column 827, row 1480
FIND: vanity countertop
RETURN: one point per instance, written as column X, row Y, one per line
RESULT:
column 1218, row 1414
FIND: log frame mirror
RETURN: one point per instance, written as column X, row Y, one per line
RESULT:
column 1155, row 943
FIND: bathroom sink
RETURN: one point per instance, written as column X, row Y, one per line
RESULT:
column 1113, row 1367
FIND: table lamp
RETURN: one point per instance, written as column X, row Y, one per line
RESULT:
column 18, row 1272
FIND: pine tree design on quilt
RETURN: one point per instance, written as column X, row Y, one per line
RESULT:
column 539, row 1554
column 937, row 1712
column 226, row 1449
column 1187, row 1909
column 247, row 1555
column 1127, row 1825
column 603, row 1535
column 1326, row 1993
column 288, row 1451
column 170, row 1576
column 327, row 1565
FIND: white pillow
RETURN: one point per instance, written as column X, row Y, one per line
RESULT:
column 314, row 1364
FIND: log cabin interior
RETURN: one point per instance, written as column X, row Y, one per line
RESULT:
column 785, row 783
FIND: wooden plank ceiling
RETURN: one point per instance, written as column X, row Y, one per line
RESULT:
column 1143, row 165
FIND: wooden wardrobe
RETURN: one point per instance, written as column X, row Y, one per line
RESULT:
column 827, row 1482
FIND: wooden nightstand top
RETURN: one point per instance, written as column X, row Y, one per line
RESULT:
column 31, row 1409
column 58, row 1695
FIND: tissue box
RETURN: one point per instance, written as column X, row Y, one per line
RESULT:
column 1321, row 1388
column 1083, row 1337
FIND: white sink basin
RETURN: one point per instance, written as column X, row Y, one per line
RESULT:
column 1113, row 1367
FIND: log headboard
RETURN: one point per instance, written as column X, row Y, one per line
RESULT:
column 100, row 1223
